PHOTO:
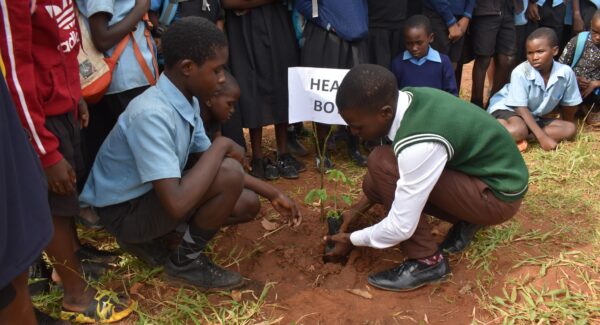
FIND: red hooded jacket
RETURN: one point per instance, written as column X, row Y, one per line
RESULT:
column 39, row 51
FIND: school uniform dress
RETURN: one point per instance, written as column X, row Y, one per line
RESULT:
column 386, row 30
column 323, row 47
column 25, row 221
column 433, row 70
column 262, row 45
column 527, row 89
column 151, row 140
column 128, row 79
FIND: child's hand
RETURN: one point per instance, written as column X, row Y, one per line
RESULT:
column 533, row 12
column 463, row 24
column 547, row 143
column 454, row 33
column 287, row 208
column 83, row 113
column 583, row 83
column 342, row 238
column 61, row 178
column 591, row 86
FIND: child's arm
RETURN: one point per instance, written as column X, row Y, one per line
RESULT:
column 104, row 36
column 546, row 142
column 449, row 80
column 283, row 204
column 179, row 196
column 578, row 23
column 244, row 4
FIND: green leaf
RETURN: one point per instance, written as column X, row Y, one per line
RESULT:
column 333, row 214
column 311, row 196
column 346, row 199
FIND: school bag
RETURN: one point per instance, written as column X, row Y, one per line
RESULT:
column 95, row 69
column 579, row 46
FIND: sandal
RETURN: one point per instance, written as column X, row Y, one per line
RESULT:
column 522, row 145
column 106, row 307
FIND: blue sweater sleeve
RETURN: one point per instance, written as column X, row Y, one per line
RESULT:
column 397, row 70
column 442, row 7
column 449, row 81
column 469, row 6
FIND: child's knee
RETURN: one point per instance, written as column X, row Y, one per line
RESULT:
column 231, row 173
column 246, row 208
column 570, row 130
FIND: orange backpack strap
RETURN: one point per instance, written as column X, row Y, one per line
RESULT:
column 138, row 53
column 114, row 58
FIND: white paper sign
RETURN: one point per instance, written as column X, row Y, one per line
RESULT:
column 312, row 94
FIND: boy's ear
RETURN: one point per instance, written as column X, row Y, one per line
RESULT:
column 555, row 51
column 387, row 112
column 186, row 67
column 431, row 37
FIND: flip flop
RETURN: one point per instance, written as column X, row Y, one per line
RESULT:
column 106, row 307
column 522, row 145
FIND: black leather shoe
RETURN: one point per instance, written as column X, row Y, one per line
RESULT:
column 459, row 237
column 153, row 253
column 91, row 253
column 410, row 275
column 203, row 273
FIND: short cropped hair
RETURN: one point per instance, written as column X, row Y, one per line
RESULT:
column 192, row 38
column 230, row 84
column 418, row 21
column 546, row 33
column 367, row 87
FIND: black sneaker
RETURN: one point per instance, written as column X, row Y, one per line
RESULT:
column 91, row 253
column 153, row 253
column 93, row 271
column 288, row 158
column 410, row 275
column 286, row 169
column 459, row 237
column 39, row 277
column 203, row 273
column 271, row 169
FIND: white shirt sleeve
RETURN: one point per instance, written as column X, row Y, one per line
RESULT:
column 420, row 167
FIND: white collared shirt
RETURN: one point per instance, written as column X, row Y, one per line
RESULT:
column 420, row 167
